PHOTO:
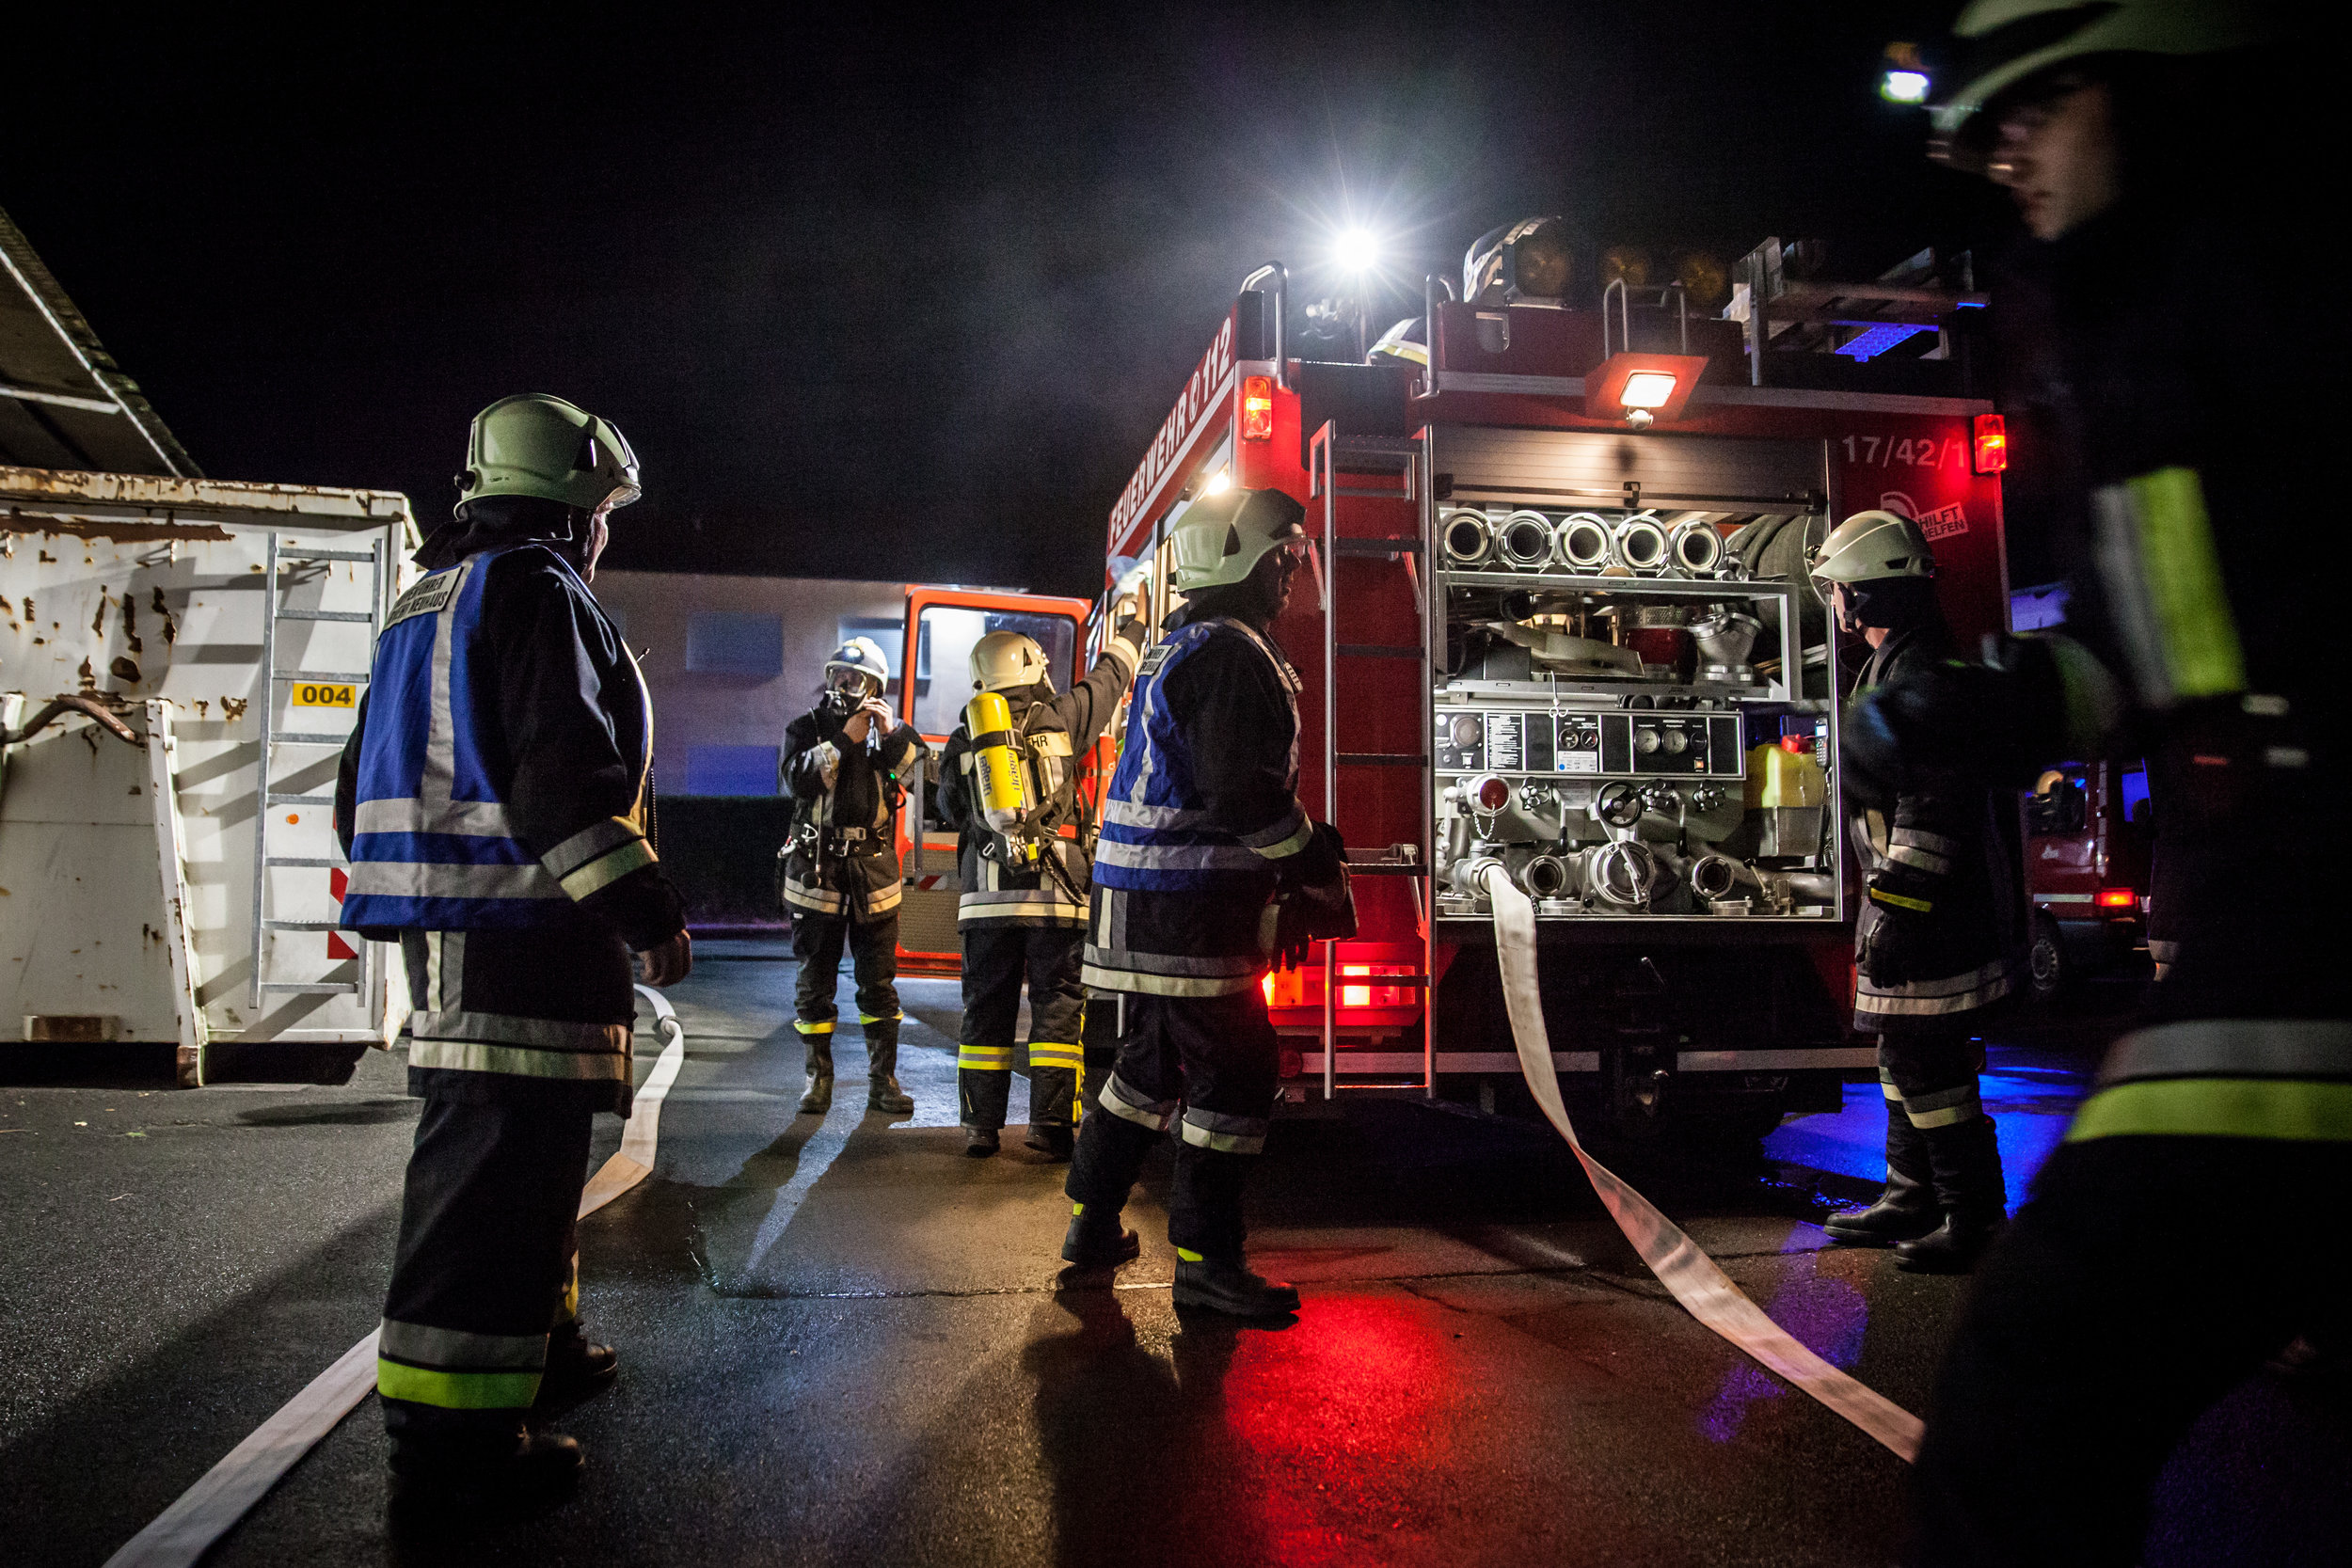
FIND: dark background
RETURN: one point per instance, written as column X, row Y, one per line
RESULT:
column 901, row 299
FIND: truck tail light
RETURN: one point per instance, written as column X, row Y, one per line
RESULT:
column 1257, row 408
column 1991, row 444
column 2118, row 899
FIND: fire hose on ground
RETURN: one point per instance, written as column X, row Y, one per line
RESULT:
column 226, row 1492
column 1693, row 1278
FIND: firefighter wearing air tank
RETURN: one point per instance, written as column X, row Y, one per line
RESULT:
column 2185, row 1232
column 492, row 802
column 846, row 764
column 1939, row 933
column 1209, row 872
column 1009, row 785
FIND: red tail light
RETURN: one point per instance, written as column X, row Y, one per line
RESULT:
column 1991, row 444
column 2118, row 899
column 1257, row 408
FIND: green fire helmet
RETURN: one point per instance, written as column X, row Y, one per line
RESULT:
column 1224, row 536
column 2004, row 43
column 540, row 446
column 1873, row 547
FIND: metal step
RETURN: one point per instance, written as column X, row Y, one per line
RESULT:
column 1380, row 549
column 360, row 617
column 325, row 555
column 347, row 988
column 310, row 737
column 333, row 676
column 301, row 801
column 301, row 926
column 1379, row 759
column 305, row 859
column 1378, row 650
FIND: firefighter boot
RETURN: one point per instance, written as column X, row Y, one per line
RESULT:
column 882, row 1092
column 819, row 1098
column 1966, row 1162
column 1907, row 1210
column 445, row 1484
column 1097, row 1240
column 1227, row 1286
column 1051, row 1091
column 576, row 1368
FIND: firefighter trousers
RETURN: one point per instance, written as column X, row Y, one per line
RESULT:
column 1210, row 1065
column 488, row 1263
column 2147, row 1275
column 998, row 958
column 817, row 944
column 1937, row 1130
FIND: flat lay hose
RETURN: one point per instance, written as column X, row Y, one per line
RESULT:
column 1686, row 1270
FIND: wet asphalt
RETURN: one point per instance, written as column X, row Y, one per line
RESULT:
column 845, row 1342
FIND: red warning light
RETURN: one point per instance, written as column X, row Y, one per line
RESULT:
column 1991, row 444
column 1795, row 745
column 2118, row 899
column 1257, row 408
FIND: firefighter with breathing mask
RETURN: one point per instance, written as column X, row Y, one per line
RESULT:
column 1008, row 785
column 846, row 764
column 2183, row 1231
column 1209, row 872
column 1940, row 932
column 492, row 801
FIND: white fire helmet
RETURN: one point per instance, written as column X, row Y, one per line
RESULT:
column 1003, row 660
column 861, row 654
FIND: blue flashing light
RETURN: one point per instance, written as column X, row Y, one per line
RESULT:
column 1904, row 86
column 1876, row 341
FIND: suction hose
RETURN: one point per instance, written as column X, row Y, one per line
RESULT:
column 1693, row 1278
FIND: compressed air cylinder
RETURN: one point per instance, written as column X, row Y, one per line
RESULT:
column 997, row 761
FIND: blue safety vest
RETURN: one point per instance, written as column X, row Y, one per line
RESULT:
column 431, row 847
column 1157, row 835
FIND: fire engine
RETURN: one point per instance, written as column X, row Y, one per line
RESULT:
column 1561, row 622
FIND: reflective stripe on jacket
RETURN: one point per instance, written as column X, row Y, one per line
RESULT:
column 434, row 841
column 2287, row 1079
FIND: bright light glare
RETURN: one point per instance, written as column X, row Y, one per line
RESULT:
column 1219, row 482
column 1647, row 389
column 1904, row 86
column 1357, row 250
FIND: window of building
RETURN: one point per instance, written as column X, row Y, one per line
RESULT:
column 726, row 642
column 730, row 771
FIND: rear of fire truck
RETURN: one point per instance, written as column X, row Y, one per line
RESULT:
column 1561, row 623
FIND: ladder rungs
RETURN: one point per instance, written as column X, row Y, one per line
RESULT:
column 306, row 859
column 1378, row 650
column 1376, row 547
column 325, row 615
column 284, row 555
column 1389, row 868
column 1380, row 759
column 310, row 738
column 1372, row 495
column 300, row 926
column 1400, row 982
column 320, row 675
column 301, row 801
column 345, row 988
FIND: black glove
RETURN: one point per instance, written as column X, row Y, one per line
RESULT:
column 1319, row 905
column 1897, row 938
column 1322, row 862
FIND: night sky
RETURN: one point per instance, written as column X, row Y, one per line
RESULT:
column 906, row 300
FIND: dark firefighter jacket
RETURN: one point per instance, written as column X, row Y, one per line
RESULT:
column 1056, row 731
column 1965, row 840
column 520, row 750
column 843, row 856
column 1201, row 815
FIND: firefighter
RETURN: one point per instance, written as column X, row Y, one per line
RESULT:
column 491, row 802
column 2183, row 1231
column 1939, row 934
column 1022, row 909
column 843, row 763
column 1201, row 830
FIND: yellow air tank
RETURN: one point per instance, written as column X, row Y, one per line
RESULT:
column 1003, row 783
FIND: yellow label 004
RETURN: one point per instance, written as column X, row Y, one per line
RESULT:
column 322, row 694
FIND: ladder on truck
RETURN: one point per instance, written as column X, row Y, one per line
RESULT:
column 1331, row 456
column 265, row 920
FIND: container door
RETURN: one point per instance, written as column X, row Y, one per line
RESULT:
column 942, row 624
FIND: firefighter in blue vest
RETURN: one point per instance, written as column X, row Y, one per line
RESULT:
column 491, row 800
column 845, row 763
column 1024, row 865
column 1208, row 873
column 2183, row 1232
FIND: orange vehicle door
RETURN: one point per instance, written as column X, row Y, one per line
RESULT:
column 942, row 626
